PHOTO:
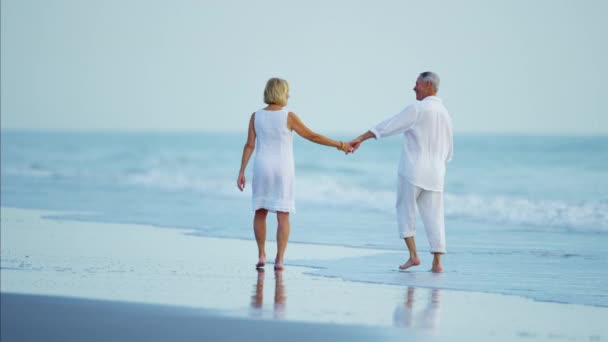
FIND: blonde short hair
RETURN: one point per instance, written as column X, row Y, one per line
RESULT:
column 276, row 91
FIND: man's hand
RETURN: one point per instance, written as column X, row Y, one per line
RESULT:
column 355, row 143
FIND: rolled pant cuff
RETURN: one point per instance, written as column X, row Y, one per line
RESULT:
column 406, row 235
column 437, row 250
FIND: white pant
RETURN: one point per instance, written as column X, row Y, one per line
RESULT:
column 430, row 206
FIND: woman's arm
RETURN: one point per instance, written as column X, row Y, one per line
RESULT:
column 294, row 123
column 247, row 151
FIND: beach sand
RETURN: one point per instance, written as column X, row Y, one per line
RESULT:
column 70, row 280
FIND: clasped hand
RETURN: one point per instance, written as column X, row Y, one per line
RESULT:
column 351, row 146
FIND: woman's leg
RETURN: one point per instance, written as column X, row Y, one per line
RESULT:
column 282, row 238
column 259, row 229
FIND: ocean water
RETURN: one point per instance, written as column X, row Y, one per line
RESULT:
column 525, row 215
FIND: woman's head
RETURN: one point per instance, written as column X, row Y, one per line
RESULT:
column 276, row 92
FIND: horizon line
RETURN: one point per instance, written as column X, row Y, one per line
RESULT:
column 335, row 132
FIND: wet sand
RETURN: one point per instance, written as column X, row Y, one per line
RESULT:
column 67, row 280
column 42, row 318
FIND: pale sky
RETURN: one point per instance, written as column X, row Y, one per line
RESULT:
column 522, row 66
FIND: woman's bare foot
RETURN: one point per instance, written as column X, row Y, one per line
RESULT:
column 261, row 261
column 411, row 262
column 278, row 265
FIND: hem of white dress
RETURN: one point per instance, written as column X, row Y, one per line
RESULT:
column 273, row 207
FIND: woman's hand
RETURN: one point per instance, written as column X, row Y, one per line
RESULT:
column 355, row 143
column 347, row 148
column 240, row 182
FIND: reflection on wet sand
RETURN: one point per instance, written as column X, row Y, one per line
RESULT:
column 258, row 291
column 280, row 299
column 409, row 314
column 279, row 295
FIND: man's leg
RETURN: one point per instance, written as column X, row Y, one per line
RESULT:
column 437, row 264
column 406, row 219
column 259, row 229
column 413, row 260
column 430, row 205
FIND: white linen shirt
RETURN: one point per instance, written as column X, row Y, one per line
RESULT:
column 427, row 141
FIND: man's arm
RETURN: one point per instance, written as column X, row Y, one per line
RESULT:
column 397, row 124
column 391, row 126
column 355, row 143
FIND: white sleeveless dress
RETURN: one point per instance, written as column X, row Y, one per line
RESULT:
column 273, row 167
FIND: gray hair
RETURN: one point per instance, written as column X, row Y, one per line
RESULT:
column 429, row 76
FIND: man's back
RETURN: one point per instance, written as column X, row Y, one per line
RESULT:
column 427, row 145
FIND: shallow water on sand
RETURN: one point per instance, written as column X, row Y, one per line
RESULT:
column 525, row 215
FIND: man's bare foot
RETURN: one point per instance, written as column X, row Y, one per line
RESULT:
column 411, row 262
column 278, row 265
column 437, row 269
column 261, row 261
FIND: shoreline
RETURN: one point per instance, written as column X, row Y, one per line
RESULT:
column 145, row 265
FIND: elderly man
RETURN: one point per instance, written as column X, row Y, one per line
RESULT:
column 427, row 147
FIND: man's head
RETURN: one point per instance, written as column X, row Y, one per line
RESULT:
column 427, row 84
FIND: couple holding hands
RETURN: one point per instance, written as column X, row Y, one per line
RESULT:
column 427, row 146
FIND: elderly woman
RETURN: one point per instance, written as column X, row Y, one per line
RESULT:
column 270, row 129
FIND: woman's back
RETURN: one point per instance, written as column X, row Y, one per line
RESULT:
column 273, row 170
column 272, row 134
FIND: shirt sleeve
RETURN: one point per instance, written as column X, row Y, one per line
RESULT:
column 451, row 152
column 451, row 141
column 396, row 124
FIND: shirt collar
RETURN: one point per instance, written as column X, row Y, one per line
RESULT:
column 431, row 98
